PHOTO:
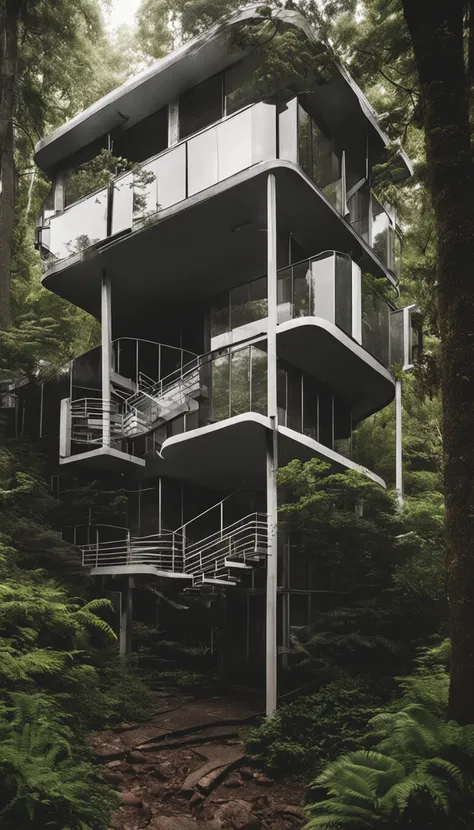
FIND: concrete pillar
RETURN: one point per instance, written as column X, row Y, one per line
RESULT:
column 106, row 323
column 272, row 453
column 398, row 444
column 126, row 617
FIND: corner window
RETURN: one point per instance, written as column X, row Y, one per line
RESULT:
column 201, row 105
column 144, row 139
column 239, row 87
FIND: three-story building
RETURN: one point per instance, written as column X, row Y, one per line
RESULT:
column 232, row 269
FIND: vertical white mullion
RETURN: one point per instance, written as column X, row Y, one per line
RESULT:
column 106, row 330
column 272, row 452
column 356, row 303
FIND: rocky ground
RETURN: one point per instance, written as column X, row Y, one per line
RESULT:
column 186, row 769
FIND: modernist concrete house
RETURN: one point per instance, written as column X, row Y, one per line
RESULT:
column 228, row 269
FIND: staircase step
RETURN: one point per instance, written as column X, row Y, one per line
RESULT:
column 207, row 580
column 231, row 563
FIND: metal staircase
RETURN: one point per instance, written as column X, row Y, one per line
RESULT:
column 215, row 560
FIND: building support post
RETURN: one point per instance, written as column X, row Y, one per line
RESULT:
column 126, row 617
column 106, row 323
column 272, row 453
column 398, row 444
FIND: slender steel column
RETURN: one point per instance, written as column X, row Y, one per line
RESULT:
column 272, row 453
column 398, row 444
column 106, row 322
column 126, row 617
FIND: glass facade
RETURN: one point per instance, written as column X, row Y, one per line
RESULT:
column 375, row 324
column 321, row 287
column 318, row 158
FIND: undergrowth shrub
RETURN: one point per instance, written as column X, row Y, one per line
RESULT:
column 303, row 736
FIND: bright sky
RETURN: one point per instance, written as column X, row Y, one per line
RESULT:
column 122, row 11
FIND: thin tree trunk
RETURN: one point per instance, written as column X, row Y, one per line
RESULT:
column 436, row 29
column 8, row 68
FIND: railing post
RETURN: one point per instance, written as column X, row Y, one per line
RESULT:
column 222, row 518
column 129, row 548
column 106, row 324
column 97, row 547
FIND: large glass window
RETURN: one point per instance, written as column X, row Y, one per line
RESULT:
column 259, row 380
column 294, row 399
column 343, row 290
column 240, row 88
column 342, row 428
column 248, row 303
column 220, row 314
column 375, row 324
column 220, row 387
column 310, row 407
column 143, row 140
column 326, row 431
column 240, row 381
column 301, row 289
column 200, row 106
column 318, row 157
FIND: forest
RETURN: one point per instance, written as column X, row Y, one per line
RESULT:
column 383, row 733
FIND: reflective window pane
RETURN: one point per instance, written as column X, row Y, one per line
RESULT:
column 240, row 381
column 282, row 396
column 248, row 303
column 397, row 348
column 259, row 380
column 310, row 407
column 342, row 428
column 288, row 130
column 325, row 417
column 220, row 315
column 220, row 387
column 375, row 325
column 301, row 289
column 304, row 140
column 284, row 295
column 294, row 399
column 200, row 106
column 344, row 293
column 240, row 88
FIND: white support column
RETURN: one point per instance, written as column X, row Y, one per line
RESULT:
column 125, row 640
column 398, row 444
column 106, row 322
column 272, row 453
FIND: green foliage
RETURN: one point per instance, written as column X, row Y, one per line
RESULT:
column 419, row 770
column 303, row 736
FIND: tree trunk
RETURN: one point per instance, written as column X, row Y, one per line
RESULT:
column 9, row 52
column 436, row 29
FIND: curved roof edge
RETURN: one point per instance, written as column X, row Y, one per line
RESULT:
column 164, row 80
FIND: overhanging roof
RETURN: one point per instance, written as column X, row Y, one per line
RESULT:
column 167, row 78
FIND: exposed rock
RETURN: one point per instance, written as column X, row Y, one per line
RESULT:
column 113, row 764
column 196, row 799
column 111, row 777
column 246, row 773
column 224, row 760
column 160, row 771
column 239, row 815
column 264, row 781
column 137, row 758
column 233, row 781
column 130, row 800
column 173, row 823
column 290, row 809
column 157, row 790
column 260, row 802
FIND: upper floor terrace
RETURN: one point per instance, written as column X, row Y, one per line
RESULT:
column 200, row 160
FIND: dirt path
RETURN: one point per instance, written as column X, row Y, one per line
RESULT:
column 185, row 769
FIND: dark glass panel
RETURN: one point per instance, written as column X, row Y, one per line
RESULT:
column 282, row 395
column 29, row 403
column 294, row 399
column 200, row 106
column 304, row 140
column 248, row 303
column 54, row 390
column 220, row 314
column 149, row 510
column 240, row 89
column 310, row 407
column 301, row 289
column 344, row 293
column 145, row 139
column 86, row 370
column 220, row 387
column 342, row 428
column 259, row 380
column 240, row 381
column 325, row 417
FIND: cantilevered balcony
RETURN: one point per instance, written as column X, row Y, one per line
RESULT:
column 209, row 190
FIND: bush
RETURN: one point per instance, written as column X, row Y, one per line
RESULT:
column 303, row 736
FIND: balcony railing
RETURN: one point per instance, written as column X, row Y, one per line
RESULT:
column 233, row 144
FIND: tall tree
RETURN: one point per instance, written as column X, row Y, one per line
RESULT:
column 438, row 34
